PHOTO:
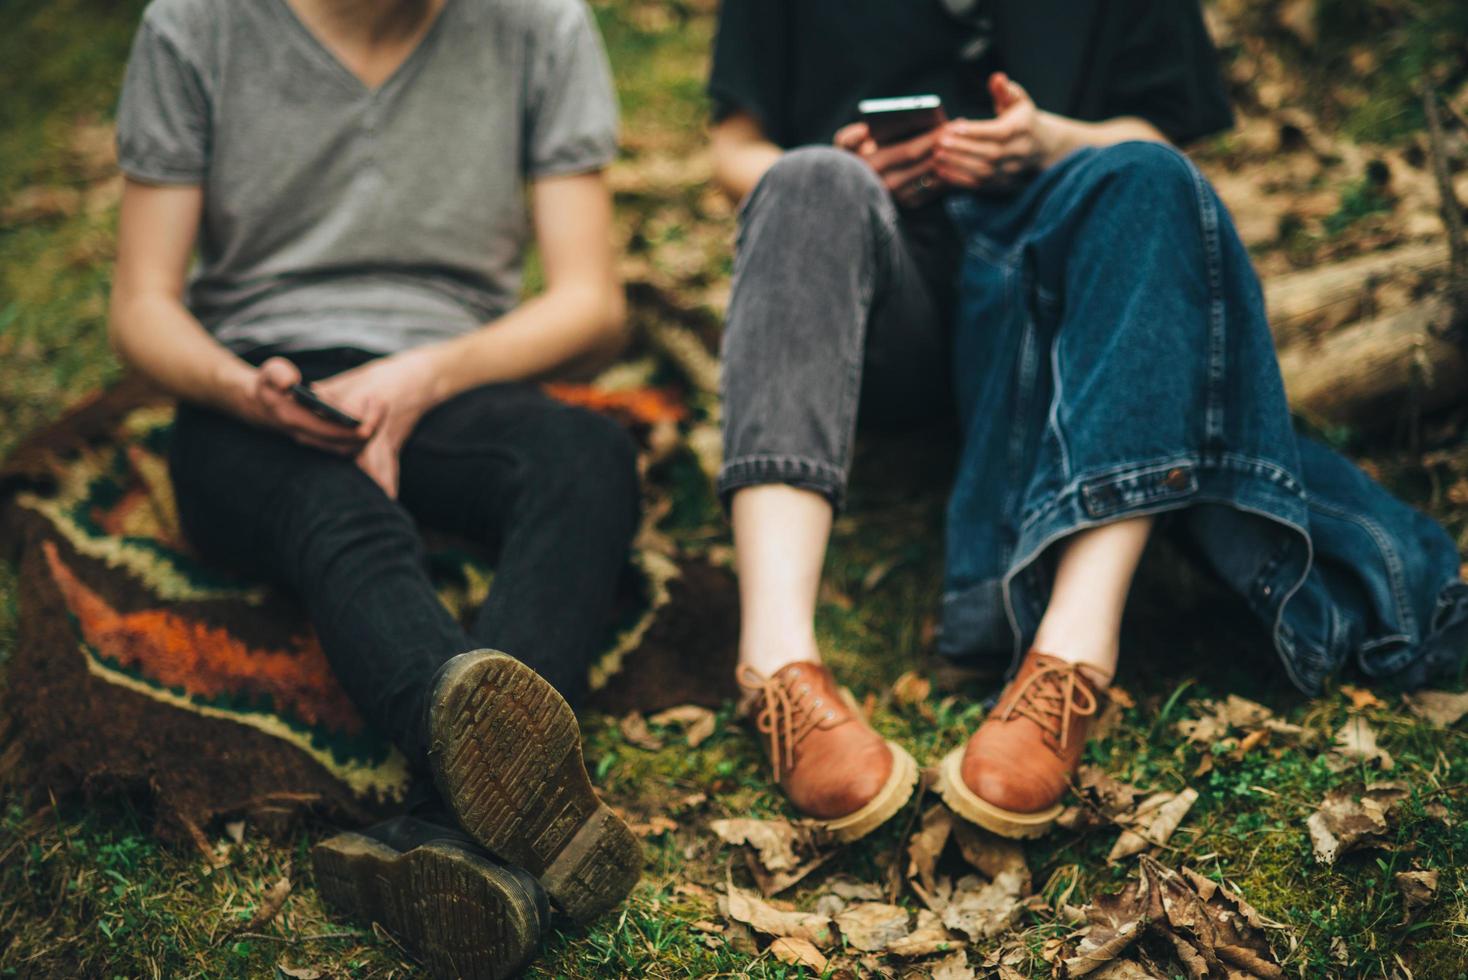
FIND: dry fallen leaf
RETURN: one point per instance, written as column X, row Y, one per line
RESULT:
column 1213, row 931
column 926, row 845
column 782, row 852
column 1103, row 799
column 1356, row 743
column 1124, row 970
column 1441, row 708
column 992, row 855
column 635, row 732
column 298, row 972
column 270, row 904
column 696, row 721
column 853, row 890
column 953, row 967
column 1153, row 823
column 977, row 908
column 798, row 952
column 928, row 938
column 775, row 840
column 1347, row 821
column 870, row 926
column 655, row 825
column 755, row 912
column 1418, row 888
column 911, row 688
column 1361, row 698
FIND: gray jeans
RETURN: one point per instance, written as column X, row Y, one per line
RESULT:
column 839, row 308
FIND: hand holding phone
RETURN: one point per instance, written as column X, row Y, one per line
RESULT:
column 265, row 396
column 313, row 403
column 896, row 137
column 896, row 120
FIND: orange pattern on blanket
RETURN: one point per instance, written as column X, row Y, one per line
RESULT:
column 207, row 662
column 649, row 406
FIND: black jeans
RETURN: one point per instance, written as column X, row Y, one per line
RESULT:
column 551, row 489
column 840, row 308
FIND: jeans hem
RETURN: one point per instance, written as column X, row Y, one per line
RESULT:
column 979, row 616
column 796, row 471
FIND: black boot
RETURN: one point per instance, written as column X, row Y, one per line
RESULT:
column 505, row 752
column 463, row 912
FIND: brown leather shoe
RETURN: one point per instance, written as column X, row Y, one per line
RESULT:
column 1010, row 776
column 828, row 761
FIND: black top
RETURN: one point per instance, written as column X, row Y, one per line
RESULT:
column 800, row 66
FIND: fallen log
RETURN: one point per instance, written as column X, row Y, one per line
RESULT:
column 1376, row 372
column 1313, row 301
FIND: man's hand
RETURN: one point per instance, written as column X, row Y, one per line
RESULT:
column 906, row 168
column 393, row 393
column 998, row 153
column 267, row 401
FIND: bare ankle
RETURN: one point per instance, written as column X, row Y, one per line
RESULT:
column 769, row 661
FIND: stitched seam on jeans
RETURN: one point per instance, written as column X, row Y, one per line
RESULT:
column 866, row 286
column 786, row 465
column 1396, row 571
column 1217, row 350
column 1057, row 395
column 1024, row 394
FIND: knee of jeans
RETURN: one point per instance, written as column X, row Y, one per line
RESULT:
column 1153, row 169
column 815, row 174
column 315, row 530
column 588, row 463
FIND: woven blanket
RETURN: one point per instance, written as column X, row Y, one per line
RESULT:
column 139, row 667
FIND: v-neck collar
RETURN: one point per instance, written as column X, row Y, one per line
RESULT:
column 323, row 53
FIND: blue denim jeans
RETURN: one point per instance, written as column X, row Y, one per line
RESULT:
column 1112, row 359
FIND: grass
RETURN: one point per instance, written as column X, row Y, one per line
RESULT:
column 85, row 890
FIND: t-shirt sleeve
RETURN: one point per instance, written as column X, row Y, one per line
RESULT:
column 749, row 64
column 1166, row 71
column 162, row 114
column 571, row 106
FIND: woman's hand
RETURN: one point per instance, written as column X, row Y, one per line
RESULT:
column 995, row 154
column 392, row 393
column 266, row 400
column 906, row 169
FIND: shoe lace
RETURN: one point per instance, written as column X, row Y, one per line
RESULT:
column 787, row 712
column 1050, row 697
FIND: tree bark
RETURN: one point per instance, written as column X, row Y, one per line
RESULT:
column 1312, row 302
column 1377, row 372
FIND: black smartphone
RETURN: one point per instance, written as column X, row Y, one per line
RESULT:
column 312, row 403
column 895, row 120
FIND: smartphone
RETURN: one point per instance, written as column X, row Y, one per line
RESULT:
column 312, row 403
column 895, row 120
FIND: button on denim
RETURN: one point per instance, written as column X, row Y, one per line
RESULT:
column 1112, row 359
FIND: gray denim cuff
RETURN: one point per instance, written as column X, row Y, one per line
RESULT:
column 796, row 471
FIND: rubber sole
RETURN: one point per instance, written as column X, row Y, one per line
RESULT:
column 975, row 809
column 891, row 798
column 506, row 753
column 463, row 915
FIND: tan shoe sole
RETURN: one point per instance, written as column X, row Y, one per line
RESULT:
column 506, row 754
column 973, row 808
column 893, row 796
column 465, row 916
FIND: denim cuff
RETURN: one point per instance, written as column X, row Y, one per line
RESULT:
column 797, row 471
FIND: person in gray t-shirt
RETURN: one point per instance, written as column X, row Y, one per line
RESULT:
column 360, row 180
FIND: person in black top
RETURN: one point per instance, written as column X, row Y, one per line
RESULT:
column 842, row 307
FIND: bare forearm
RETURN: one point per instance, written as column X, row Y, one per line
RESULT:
column 559, row 328
column 158, row 337
column 1061, row 135
column 737, row 167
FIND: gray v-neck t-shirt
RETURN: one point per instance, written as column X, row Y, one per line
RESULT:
column 338, row 215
